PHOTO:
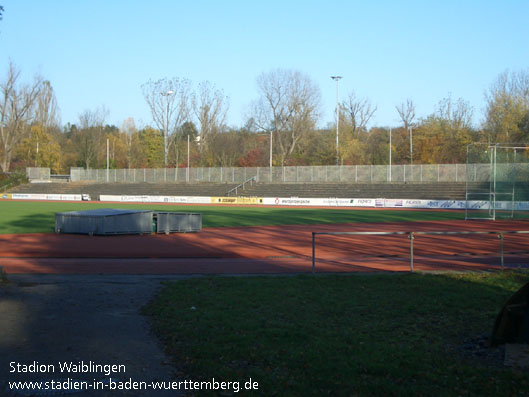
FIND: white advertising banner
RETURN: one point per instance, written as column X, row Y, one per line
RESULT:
column 54, row 197
column 157, row 199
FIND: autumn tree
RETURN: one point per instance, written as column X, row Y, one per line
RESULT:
column 316, row 148
column 288, row 108
column 228, row 149
column 40, row 149
column 17, row 105
column 169, row 103
column 508, row 108
column 377, row 146
column 444, row 135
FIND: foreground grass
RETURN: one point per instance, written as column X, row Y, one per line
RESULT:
column 339, row 335
column 39, row 217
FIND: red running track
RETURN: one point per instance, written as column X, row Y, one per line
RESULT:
column 267, row 249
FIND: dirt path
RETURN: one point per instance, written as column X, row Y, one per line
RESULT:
column 52, row 319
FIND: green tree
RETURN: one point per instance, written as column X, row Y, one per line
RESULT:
column 151, row 141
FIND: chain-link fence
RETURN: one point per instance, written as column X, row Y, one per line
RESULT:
column 38, row 173
column 418, row 173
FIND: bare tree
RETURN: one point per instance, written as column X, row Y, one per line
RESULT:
column 210, row 107
column 168, row 100
column 406, row 113
column 288, row 108
column 47, row 111
column 17, row 103
column 357, row 112
column 87, row 139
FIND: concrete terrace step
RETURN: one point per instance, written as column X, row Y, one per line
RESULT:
column 439, row 191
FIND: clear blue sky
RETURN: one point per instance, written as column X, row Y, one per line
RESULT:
column 100, row 52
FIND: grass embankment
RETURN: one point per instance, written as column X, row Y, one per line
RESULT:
column 39, row 217
column 341, row 335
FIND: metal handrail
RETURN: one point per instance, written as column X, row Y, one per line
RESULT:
column 242, row 185
column 411, row 235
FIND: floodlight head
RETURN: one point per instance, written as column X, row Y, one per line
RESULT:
column 336, row 78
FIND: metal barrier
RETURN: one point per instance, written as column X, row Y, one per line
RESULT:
column 411, row 236
column 242, row 185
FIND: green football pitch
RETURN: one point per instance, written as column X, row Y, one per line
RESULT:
column 39, row 217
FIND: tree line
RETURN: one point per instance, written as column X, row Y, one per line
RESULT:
column 189, row 127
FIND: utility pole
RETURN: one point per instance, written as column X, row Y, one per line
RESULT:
column 337, row 78
column 390, row 154
column 166, row 127
column 411, row 145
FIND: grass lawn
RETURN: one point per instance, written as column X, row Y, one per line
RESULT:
column 398, row 335
column 39, row 217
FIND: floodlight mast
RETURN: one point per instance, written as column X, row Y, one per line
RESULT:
column 337, row 78
column 166, row 127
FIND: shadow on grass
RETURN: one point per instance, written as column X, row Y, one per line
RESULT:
column 340, row 335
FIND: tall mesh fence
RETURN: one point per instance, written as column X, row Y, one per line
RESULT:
column 417, row 173
column 497, row 180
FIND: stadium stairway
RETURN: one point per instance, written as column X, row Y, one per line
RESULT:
column 424, row 191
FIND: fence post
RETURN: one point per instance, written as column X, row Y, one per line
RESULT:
column 313, row 253
column 411, row 251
